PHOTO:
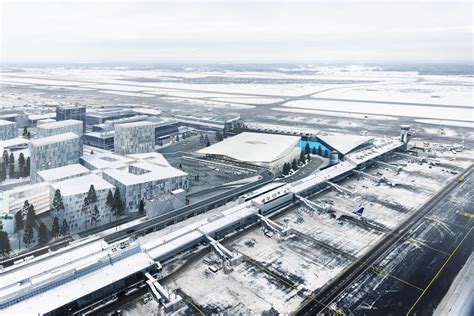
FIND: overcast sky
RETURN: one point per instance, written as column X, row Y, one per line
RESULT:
column 236, row 31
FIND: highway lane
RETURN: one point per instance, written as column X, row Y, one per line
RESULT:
column 331, row 291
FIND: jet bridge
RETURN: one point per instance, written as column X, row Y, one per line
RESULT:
column 314, row 206
column 234, row 258
column 419, row 160
column 342, row 189
column 376, row 179
column 395, row 168
column 170, row 301
column 273, row 227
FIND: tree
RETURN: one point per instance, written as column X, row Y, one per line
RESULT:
column 19, row 223
column 5, row 157
column 55, row 227
column 118, row 206
column 27, row 167
column 3, row 172
column 11, row 159
column 92, row 152
column 141, row 207
column 95, row 217
column 28, row 135
column 21, row 164
column 306, row 149
column 183, row 136
column 25, row 131
column 308, row 157
column 64, row 231
column 286, row 168
column 109, row 202
column 4, row 243
column 208, row 144
column 85, row 209
column 42, row 234
column 91, row 194
column 28, row 235
column 302, row 158
column 201, row 139
column 58, row 204
column 314, row 151
column 11, row 171
column 326, row 153
column 320, row 151
column 30, row 215
column 294, row 165
column 180, row 166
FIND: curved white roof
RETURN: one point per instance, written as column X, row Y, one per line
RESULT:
column 253, row 147
column 345, row 143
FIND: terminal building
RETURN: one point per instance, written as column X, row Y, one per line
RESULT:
column 52, row 152
column 60, row 127
column 134, row 138
column 269, row 151
column 8, row 130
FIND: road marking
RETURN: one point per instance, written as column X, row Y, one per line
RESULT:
column 254, row 262
column 466, row 214
column 436, row 218
column 437, row 274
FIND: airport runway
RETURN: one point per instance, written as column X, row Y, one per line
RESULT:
column 410, row 270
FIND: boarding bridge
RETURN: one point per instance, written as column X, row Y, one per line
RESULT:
column 394, row 168
column 273, row 227
column 376, row 179
column 342, row 189
column 169, row 301
column 419, row 160
column 234, row 258
column 315, row 206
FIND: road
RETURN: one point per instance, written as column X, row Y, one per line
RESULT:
column 351, row 279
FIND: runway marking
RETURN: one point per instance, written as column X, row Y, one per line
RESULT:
column 437, row 274
column 254, row 262
column 196, row 308
column 419, row 242
column 436, row 218
column 375, row 268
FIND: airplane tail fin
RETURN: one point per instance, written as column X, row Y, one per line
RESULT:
column 359, row 211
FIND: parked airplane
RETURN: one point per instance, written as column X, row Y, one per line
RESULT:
column 357, row 213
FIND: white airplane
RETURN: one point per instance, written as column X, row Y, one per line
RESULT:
column 356, row 213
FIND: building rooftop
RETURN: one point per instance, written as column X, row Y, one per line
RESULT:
column 253, row 147
column 106, row 160
column 3, row 123
column 345, row 143
column 134, row 124
column 59, row 124
column 81, row 184
column 152, row 172
column 152, row 157
column 63, row 172
column 53, row 139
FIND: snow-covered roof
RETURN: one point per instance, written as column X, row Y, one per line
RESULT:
column 345, row 143
column 63, row 172
column 151, row 157
column 3, row 122
column 81, row 184
column 53, row 139
column 253, row 147
column 154, row 172
column 59, row 124
column 135, row 124
column 106, row 160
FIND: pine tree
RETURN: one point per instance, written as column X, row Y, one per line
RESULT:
column 64, row 231
column 58, row 204
column 208, row 144
column 314, row 151
column 294, row 165
column 4, row 243
column 320, row 151
column 28, row 135
column 326, row 153
column 21, row 164
column 55, row 227
column 3, row 172
column 28, row 235
column 95, row 217
column 307, row 149
column 92, row 152
column 11, row 171
column 42, row 234
column 302, row 158
column 141, row 207
column 30, row 215
column 19, row 223
column 5, row 157
column 118, row 203
column 27, row 167
column 109, row 202
column 177, row 137
column 25, row 132
column 308, row 157
column 91, row 194
column 11, row 159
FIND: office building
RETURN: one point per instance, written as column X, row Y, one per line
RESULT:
column 102, row 140
column 53, row 152
column 72, row 113
column 134, row 138
column 60, row 127
column 8, row 130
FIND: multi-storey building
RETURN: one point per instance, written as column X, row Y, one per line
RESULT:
column 53, row 152
column 8, row 130
column 72, row 113
column 134, row 138
column 60, row 127
column 103, row 140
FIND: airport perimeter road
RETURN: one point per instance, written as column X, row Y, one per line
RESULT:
column 409, row 274
column 189, row 210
